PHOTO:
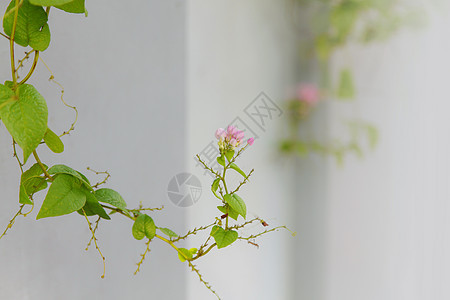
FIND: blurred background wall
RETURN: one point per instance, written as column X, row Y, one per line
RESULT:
column 376, row 228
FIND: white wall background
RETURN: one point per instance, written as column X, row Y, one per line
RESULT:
column 387, row 215
column 375, row 229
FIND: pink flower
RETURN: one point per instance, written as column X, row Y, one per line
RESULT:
column 308, row 93
column 231, row 130
column 240, row 135
column 233, row 142
column 250, row 141
column 229, row 138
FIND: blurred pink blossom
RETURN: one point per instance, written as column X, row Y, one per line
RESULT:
column 250, row 141
column 308, row 93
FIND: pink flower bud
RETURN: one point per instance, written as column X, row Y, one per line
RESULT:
column 231, row 130
column 240, row 135
column 233, row 142
column 250, row 141
column 220, row 133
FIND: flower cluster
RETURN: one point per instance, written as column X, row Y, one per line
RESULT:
column 231, row 138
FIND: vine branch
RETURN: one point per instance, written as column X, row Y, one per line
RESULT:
column 95, row 242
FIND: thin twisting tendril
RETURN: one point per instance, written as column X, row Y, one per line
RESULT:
column 95, row 230
column 100, row 173
column 52, row 79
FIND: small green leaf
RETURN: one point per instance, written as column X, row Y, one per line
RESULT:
column 229, row 155
column 186, row 253
column 168, row 232
column 144, row 227
column 64, row 197
column 231, row 212
column 23, row 197
column 236, row 203
column 237, row 169
column 346, row 90
column 223, row 237
column 63, row 169
column 25, row 118
column 75, row 7
column 193, row 250
column 221, row 160
column 92, row 207
column 112, row 197
column 32, row 28
column 215, row 185
column 53, row 141
column 32, row 180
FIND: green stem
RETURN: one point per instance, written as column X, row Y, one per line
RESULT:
column 41, row 165
column 226, row 192
column 173, row 246
column 204, row 253
column 156, row 235
column 11, row 44
column 33, row 67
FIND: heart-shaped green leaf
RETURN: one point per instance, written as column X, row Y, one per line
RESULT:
column 223, row 237
column 185, row 253
column 63, row 169
column 25, row 118
column 31, row 28
column 144, row 227
column 64, row 196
